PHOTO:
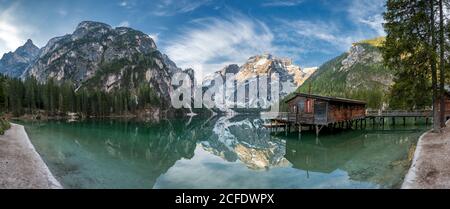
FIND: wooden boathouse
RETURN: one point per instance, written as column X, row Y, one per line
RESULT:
column 319, row 111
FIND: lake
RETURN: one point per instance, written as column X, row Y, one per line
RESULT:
column 221, row 152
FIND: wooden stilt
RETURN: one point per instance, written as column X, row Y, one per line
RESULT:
column 286, row 129
column 318, row 129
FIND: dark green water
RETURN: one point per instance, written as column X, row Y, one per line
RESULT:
column 219, row 153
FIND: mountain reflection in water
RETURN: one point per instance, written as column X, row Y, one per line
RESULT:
column 221, row 152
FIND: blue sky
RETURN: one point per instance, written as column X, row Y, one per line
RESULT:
column 207, row 34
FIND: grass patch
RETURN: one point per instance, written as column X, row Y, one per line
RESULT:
column 4, row 125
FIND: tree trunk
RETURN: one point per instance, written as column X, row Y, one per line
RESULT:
column 436, row 120
column 442, row 64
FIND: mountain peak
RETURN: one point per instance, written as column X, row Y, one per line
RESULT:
column 29, row 43
column 98, row 56
column 14, row 63
column 28, row 49
column 92, row 24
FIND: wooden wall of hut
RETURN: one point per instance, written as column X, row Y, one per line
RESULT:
column 339, row 112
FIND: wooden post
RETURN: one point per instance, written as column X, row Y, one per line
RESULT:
column 271, row 126
column 404, row 121
column 286, row 129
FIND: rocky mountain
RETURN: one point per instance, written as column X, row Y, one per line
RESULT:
column 263, row 65
column 99, row 56
column 244, row 139
column 13, row 64
column 358, row 74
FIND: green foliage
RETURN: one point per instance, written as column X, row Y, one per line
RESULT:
column 376, row 42
column 362, row 81
column 4, row 125
column 26, row 97
column 408, row 50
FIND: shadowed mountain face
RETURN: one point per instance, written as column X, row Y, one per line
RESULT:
column 13, row 64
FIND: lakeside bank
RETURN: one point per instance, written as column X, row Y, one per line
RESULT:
column 21, row 167
column 430, row 167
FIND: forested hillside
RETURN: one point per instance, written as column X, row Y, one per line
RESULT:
column 357, row 74
column 29, row 96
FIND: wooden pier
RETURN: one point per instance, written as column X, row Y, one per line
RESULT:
column 396, row 115
column 317, row 112
column 286, row 122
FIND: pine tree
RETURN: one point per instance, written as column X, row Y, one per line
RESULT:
column 411, row 50
column 442, row 63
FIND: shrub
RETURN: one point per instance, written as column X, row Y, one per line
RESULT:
column 4, row 125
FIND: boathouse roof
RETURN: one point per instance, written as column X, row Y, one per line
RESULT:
column 325, row 98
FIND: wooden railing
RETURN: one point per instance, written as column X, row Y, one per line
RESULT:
column 399, row 113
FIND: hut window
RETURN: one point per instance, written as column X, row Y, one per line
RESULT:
column 308, row 106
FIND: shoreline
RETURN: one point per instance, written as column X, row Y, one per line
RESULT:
column 21, row 166
column 429, row 168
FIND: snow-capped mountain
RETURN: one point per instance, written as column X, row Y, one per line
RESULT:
column 290, row 77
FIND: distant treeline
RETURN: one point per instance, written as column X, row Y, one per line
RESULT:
column 26, row 97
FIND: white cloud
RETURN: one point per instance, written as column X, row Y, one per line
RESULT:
column 154, row 36
column 124, row 24
column 281, row 3
column 62, row 12
column 214, row 43
column 127, row 4
column 11, row 36
column 365, row 21
column 173, row 7
column 368, row 13
column 306, row 33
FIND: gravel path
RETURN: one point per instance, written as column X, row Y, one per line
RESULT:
column 21, row 167
column 431, row 164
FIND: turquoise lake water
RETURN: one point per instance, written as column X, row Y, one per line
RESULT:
column 220, row 152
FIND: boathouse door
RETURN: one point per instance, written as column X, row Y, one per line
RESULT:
column 320, row 112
